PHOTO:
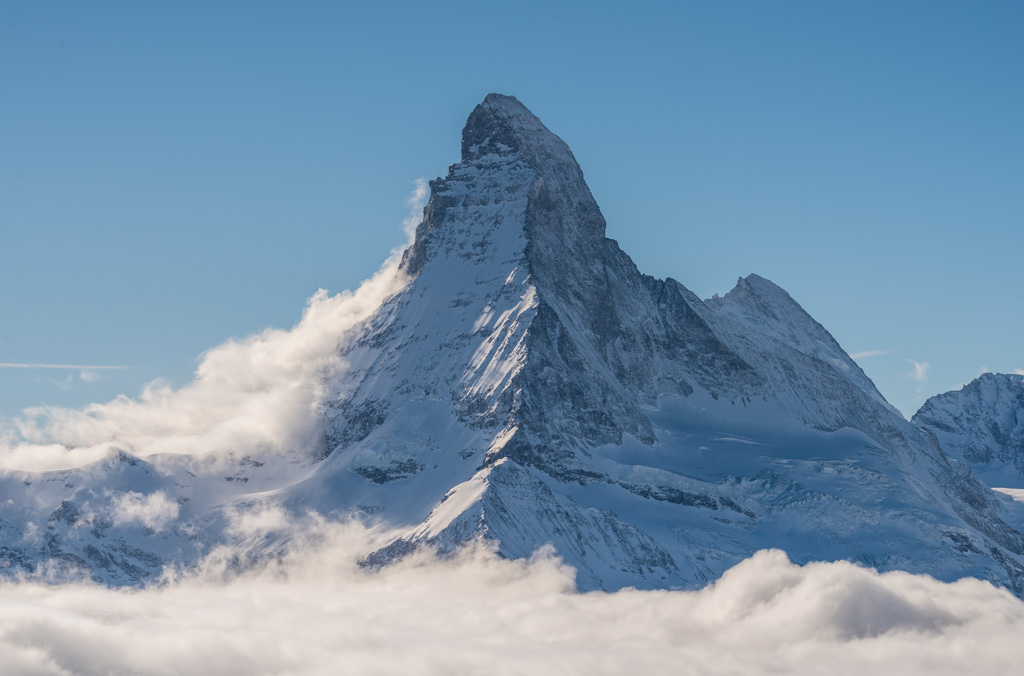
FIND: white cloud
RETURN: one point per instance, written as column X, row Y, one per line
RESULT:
column 263, row 391
column 869, row 353
column 15, row 454
column 258, row 520
column 417, row 200
column 1019, row 372
column 316, row 612
column 155, row 510
column 920, row 369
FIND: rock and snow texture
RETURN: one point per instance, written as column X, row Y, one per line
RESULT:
column 529, row 386
column 982, row 424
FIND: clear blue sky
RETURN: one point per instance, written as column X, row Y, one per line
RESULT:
column 175, row 174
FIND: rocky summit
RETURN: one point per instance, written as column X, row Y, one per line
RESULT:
column 529, row 386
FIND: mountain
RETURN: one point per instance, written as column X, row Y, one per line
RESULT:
column 529, row 386
column 122, row 519
column 981, row 424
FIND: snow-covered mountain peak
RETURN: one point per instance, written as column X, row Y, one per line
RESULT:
column 767, row 307
column 758, row 306
column 982, row 424
column 517, row 182
column 528, row 385
column 502, row 126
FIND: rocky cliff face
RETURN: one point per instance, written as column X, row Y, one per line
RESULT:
column 528, row 385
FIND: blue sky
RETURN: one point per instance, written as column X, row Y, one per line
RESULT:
column 176, row 174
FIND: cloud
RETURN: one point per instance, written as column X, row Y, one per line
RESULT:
column 1016, row 493
column 258, row 520
column 16, row 454
column 1019, row 372
column 314, row 611
column 89, row 376
column 154, row 511
column 263, row 392
column 920, row 369
column 417, row 200
column 869, row 353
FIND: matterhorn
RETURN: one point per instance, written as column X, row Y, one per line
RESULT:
column 528, row 386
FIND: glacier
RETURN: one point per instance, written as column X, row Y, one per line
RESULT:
column 526, row 385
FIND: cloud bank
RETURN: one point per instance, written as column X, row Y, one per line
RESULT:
column 263, row 392
column 316, row 612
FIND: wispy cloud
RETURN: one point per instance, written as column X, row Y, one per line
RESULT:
column 417, row 200
column 1019, row 372
column 920, row 369
column 73, row 367
column 869, row 353
column 155, row 510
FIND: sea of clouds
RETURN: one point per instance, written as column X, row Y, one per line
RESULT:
column 315, row 611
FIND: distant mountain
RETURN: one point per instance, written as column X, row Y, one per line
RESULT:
column 982, row 424
column 529, row 385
